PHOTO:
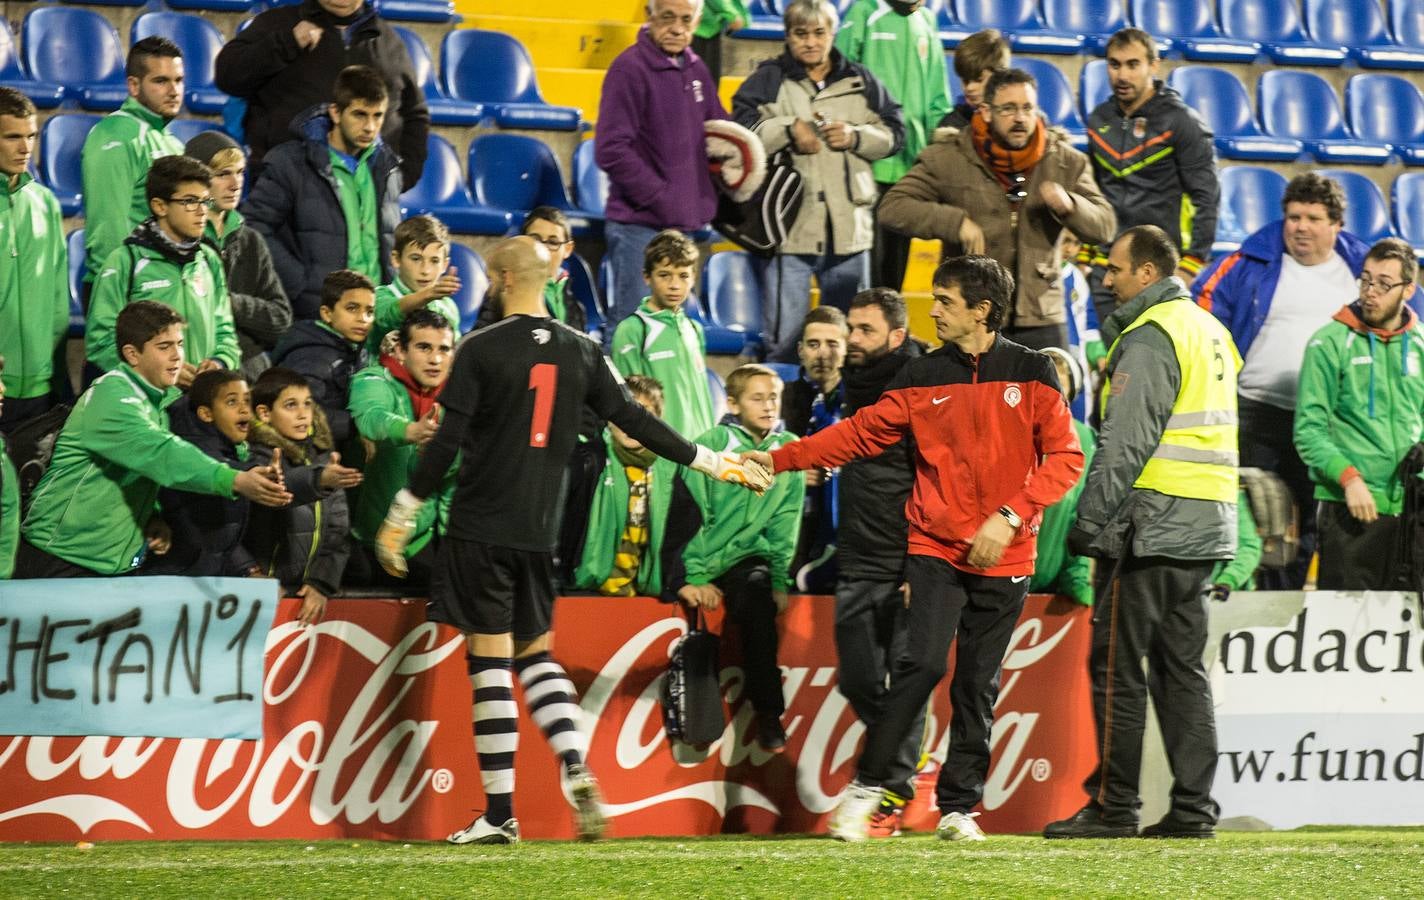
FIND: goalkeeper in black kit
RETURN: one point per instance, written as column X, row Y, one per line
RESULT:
column 512, row 407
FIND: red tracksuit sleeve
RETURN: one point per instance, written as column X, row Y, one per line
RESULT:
column 1060, row 455
column 867, row 433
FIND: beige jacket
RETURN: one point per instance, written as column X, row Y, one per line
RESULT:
column 949, row 181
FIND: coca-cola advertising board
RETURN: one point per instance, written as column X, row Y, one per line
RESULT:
column 367, row 733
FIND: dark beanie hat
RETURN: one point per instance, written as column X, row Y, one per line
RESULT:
column 205, row 146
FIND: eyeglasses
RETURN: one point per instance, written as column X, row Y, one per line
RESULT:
column 192, row 204
column 1017, row 192
column 1383, row 287
column 1009, row 110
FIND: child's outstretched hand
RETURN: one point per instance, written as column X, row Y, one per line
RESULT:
column 334, row 475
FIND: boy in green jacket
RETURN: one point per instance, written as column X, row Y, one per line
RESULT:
column 165, row 260
column 424, row 279
column 724, row 543
column 662, row 342
column 34, row 286
column 93, row 512
column 393, row 405
column 121, row 147
column 9, row 498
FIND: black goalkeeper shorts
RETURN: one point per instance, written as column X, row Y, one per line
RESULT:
column 483, row 589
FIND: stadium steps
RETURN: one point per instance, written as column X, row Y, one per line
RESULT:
column 633, row 11
column 562, row 43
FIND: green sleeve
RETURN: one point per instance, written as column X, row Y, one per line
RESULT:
column 9, row 513
column 1240, row 573
column 110, row 172
column 59, row 267
column 627, row 352
column 783, row 530
column 1314, row 405
column 1075, row 580
column 109, row 297
column 850, row 40
column 937, row 100
column 225, row 346
column 388, row 317
column 371, row 409
column 117, row 431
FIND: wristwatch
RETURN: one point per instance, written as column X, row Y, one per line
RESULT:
column 1014, row 519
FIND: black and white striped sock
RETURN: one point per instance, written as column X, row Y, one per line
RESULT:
column 553, row 703
column 496, row 733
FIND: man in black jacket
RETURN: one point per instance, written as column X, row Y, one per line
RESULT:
column 871, row 539
column 330, row 200
column 285, row 61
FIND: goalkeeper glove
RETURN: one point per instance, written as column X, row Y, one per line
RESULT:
column 395, row 532
column 726, row 467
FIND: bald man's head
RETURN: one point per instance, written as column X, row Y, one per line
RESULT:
column 518, row 269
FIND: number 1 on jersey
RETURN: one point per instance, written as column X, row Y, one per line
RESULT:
column 544, row 382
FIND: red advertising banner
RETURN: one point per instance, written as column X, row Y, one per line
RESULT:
column 367, row 733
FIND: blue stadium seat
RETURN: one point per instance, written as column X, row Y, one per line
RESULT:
column 1222, row 102
column 200, row 42
column 718, row 390
column 1020, row 23
column 951, row 80
column 1096, row 20
column 733, row 292
column 1406, row 22
column 43, row 94
column 1276, row 26
column 79, row 49
column 1388, row 109
column 720, row 339
column 1366, row 216
column 1358, row 25
column 765, row 24
column 237, row 6
column 61, row 142
column 441, row 192
column 416, row 10
column 582, row 284
column 517, row 173
column 1303, row 105
column 1188, row 26
column 951, row 30
column 1055, row 98
column 493, row 68
column 1094, row 87
column 443, row 110
column 187, row 129
column 1250, row 200
column 1408, row 202
column 75, row 246
column 590, row 182
column 474, row 283
column 787, row 372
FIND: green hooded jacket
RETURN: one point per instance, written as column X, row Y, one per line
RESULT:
column 389, row 318
column 671, row 347
column 9, row 512
column 718, row 14
column 736, row 523
column 904, row 53
column 608, row 516
column 117, row 155
column 112, row 456
column 34, row 286
column 1239, row 572
column 1360, row 406
column 197, row 290
column 1056, row 570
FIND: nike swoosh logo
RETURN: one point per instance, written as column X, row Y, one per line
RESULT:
column 938, row 400
column 1018, row 578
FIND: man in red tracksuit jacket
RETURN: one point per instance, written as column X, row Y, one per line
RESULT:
column 994, row 445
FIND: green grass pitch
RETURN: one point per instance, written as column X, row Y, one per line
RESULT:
column 1335, row 863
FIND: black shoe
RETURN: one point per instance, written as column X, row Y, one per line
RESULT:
column 1171, row 828
column 1088, row 822
column 769, row 733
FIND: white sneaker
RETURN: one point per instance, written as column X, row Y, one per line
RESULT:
column 851, row 819
column 582, row 790
column 481, row 831
column 958, row 826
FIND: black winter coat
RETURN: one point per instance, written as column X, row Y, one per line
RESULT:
column 263, row 65
column 260, row 308
column 295, row 204
column 328, row 361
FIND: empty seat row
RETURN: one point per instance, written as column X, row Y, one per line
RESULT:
column 400, row 10
column 1251, row 198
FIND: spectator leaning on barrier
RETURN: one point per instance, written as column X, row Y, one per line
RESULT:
column 976, row 58
column 898, row 42
column 285, row 61
column 1153, row 156
column 331, row 198
column 34, row 286
column 837, row 119
column 120, row 148
column 1006, row 187
column 1159, row 513
column 656, row 97
column 1284, row 284
column 1360, row 409
column 260, row 309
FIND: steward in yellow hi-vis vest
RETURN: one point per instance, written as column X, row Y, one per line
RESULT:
column 1158, row 510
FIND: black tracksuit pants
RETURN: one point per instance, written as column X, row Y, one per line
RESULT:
column 983, row 611
column 871, row 632
column 746, row 591
column 1153, row 608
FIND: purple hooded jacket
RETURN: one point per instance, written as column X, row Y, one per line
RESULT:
column 650, row 137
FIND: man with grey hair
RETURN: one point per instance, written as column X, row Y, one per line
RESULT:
column 656, row 97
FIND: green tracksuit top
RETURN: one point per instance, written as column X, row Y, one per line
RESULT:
column 905, row 54
column 1056, row 570
column 102, row 483
column 389, row 318
column 116, row 158
column 9, row 512
column 1239, row 573
column 381, row 409
column 718, row 14
column 736, row 523
column 34, row 286
column 356, row 192
column 1361, row 406
column 669, row 346
column 608, row 517
column 198, row 291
